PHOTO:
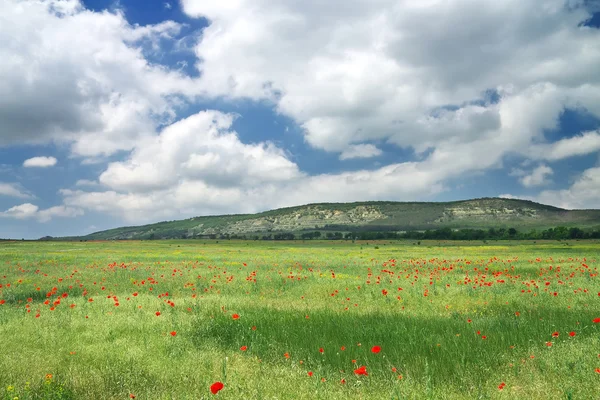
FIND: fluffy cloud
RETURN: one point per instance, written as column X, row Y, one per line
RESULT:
column 586, row 143
column 13, row 190
column 40, row 162
column 199, row 148
column 78, row 77
column 539, row 176
column 29, row 211
column 363, row 70
column 582, row 194
column 360, row 151
column 462, row 83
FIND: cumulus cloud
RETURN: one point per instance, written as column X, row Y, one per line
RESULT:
column 586, row 143
column 539, row 176
column 362, row 70
column 40, row 162
column 360, row 151
column 584, row 193
column 74, row 76
column 31, row 211
column 13, row 190
column 462, row 83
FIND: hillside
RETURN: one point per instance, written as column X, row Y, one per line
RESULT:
column 365, row 216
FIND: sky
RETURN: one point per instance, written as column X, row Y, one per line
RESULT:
column 128, row 112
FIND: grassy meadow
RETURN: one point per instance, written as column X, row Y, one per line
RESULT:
column 293, row 320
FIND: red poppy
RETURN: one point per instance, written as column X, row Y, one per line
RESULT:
column 132, row 396
column 361, row 371
column 343, row 381
column 555, row 334
column 343, row 348
column 572, row 334
column 501, row 386
column 596, row 321
column 216, row 387
column 375, row 349
column 597, row 370
column 321, row 350
column 549, row 344
column 310, row 373
column 244, row 348
column 173, row 333
column 157, row 313
column 286, row 355
column 235, row 316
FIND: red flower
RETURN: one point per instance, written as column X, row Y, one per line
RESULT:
column 235, row 316
column 132, row 396
column 596, row 321
column 549, row 344
column 321, row 350
column 286, row 355
column 157, row 313
column 216, row 387
column 244, row 348
column 501, row 386
column 484, row 337
column 375, row 349
column 597, row 370
column 173, row 333
column 555, row 334
column 310, row 373
column 343, row 348
column 572, row 334
column 361, row 371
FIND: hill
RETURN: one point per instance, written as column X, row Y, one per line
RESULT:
column 364, row 217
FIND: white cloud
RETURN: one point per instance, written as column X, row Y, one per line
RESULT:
column 360, row 151
column 539, row 176
column 584, row 193
column 79, row 77
column 30, row 211
column 40, row 162
column 363, row 70
column 87, row 182
column 202, row 148
column 13, row 190
column 586, row 143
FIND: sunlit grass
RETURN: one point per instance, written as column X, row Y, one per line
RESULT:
column 451, row 321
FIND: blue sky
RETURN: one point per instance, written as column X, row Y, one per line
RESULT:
column 128, row 112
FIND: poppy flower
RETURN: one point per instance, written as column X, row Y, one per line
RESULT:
column 310, row 373
column 216, row 387
column 597, row 370
column 572, row 334
column 375, row 349
column 362, row 370
column 173, row 333
column 343, row 348
column 321, row 350
column 244, row 348
column 235, row 316
column 157, row 313
column 132, row 396
column 549, row 344
column 501, row 386
column 286, row 355
column 596, row 321
column 555, row 334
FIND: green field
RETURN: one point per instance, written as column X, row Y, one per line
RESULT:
column 292, row 320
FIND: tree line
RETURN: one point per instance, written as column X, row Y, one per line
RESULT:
column 558, row 233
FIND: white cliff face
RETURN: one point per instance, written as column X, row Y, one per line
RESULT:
column 309, row 218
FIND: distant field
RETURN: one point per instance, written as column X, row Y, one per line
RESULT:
column 293, row 320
